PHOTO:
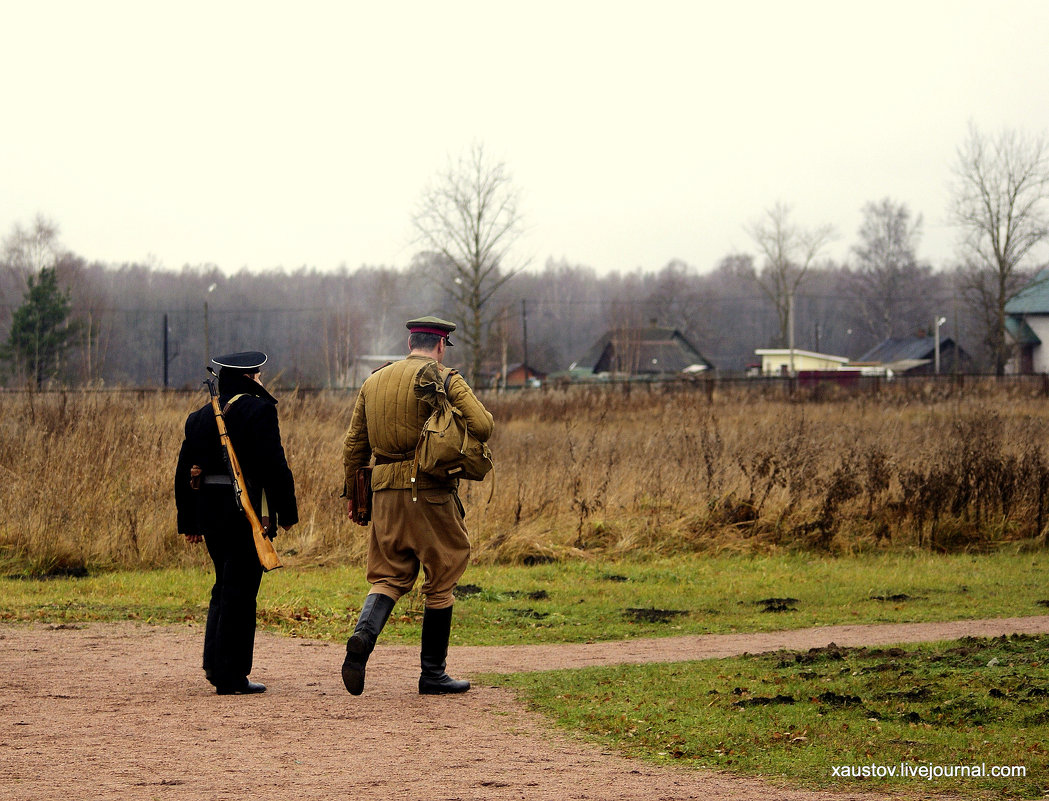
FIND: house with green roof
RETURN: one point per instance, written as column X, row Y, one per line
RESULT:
column 1027, row 325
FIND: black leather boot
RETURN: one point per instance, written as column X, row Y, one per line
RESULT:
column 241, row 687
column 437, row 628
column 374, row 614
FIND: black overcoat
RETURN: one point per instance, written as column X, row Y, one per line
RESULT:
column 255, row 434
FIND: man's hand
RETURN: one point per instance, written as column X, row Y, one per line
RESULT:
column 349, row 509
column 270, row 529
column 194, row 538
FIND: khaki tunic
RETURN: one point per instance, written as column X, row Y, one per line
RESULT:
column 407, row 531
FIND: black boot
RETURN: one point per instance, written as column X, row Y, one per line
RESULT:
column 241, row 687
column 374, row 614
column 437, row 627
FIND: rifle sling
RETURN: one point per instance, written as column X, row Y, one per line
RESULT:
column 225, row 409
column 264, row 511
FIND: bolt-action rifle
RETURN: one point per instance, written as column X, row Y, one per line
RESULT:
column 263, row 546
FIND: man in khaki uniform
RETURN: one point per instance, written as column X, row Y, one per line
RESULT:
column 412, row 524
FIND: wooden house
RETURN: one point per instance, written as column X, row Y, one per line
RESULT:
column 650, row 352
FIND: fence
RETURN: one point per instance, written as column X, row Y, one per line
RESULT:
column 801, row 388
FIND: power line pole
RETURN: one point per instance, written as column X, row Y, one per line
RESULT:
column 524, row 337
column 168, row 355
column 165, row 350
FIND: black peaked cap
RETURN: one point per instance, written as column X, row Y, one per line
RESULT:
column 247, row 360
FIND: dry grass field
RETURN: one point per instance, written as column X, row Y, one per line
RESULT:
column 87, row 477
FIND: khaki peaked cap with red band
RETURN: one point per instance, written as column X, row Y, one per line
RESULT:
column 431, row 325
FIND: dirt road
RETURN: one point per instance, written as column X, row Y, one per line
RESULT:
column 121, row 711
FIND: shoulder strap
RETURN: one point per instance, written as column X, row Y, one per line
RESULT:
column 448, row 378
column 442, row 406
column 229, row 403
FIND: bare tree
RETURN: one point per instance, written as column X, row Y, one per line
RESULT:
column 789, row 252
column 999, row 203
column 26, row 251
column 677, row 301
column 888, row 286
column 35, row 264
column 565, row 312
column 341, row 329
column 94, row 326
column 736, row 320
column 470, row 219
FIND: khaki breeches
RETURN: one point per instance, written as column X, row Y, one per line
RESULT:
column 406, row 534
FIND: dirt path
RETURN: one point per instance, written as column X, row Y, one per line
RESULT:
column 121, row 711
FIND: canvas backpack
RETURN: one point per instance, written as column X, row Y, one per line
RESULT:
column 446, row 448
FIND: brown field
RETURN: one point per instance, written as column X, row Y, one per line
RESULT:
column 87, row 477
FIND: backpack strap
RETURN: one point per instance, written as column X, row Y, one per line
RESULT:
column 466, row 440
column 448, row 378
column 448, row 373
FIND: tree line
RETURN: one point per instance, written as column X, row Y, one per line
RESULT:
column 67, row 321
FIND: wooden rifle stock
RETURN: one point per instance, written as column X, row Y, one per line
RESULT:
column 263, row 546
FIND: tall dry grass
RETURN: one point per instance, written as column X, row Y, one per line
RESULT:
column 87, row 477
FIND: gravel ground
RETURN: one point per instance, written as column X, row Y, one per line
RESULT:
column 121, row 711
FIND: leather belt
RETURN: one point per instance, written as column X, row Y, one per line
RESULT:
column 388, row 460
column 218, row 480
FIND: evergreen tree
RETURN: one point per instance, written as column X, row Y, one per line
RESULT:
column 40, row 331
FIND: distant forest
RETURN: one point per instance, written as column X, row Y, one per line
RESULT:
column 315, row 325
column 67, row 322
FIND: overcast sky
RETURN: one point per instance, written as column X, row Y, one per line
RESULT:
column 263, row 134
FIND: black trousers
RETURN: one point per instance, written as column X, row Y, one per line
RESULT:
column 229, row 637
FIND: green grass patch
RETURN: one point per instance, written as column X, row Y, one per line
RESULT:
column 159, row 596
column 581, row 601
column 800, row 716
column 782, row 715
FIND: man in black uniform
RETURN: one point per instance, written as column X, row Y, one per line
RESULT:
column 207, row 510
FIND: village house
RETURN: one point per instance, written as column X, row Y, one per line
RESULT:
column 1027, row 325
column 792, row 361
column 523, row 375
column 651, row 352
column 916, row 355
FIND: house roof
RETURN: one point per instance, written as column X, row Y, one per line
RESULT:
column 527, row 368
column 1020, row 331
column 899, row 349
column 798, row 352
column 1033, row 298
column 643, row 350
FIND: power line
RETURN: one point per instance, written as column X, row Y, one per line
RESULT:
column 534, row 302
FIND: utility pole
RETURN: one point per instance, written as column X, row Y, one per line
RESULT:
column 165, row 338
column 168, row 355
column 207, row 335
column 937, row 322
column 524, row 337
